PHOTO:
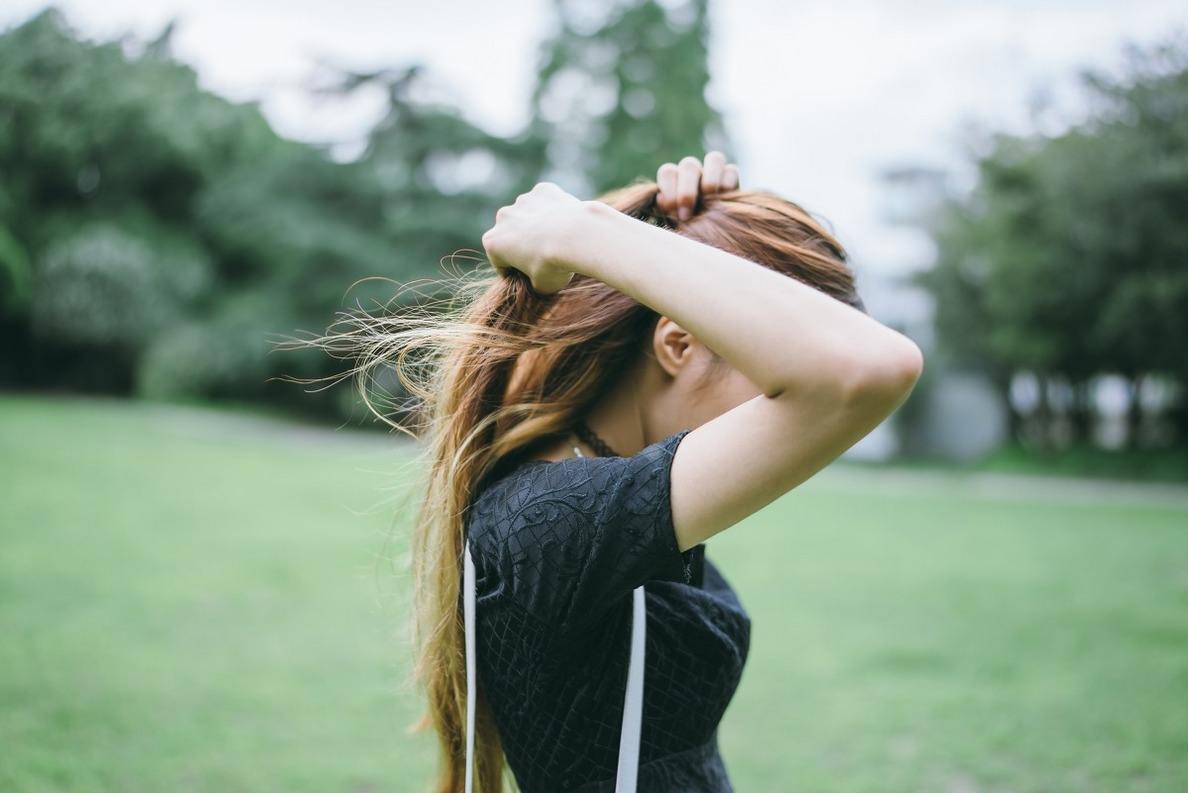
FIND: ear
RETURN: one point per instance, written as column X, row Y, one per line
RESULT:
column 672, row 346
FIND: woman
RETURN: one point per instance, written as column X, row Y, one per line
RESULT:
column 639, row 374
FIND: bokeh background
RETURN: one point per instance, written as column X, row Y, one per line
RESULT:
column 203, row 581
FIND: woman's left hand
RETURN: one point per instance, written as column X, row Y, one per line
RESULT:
column 681, row 186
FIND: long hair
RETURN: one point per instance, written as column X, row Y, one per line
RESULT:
column 497, row 371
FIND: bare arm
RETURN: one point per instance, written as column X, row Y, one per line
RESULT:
column 830, row 374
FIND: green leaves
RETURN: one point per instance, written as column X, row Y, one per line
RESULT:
column 1070, row 255
column 622, row 90
column 159, row 234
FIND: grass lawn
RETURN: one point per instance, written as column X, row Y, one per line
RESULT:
column 1156, row 465
column 191, row 601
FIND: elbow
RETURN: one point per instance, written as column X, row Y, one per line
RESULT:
column 884, row 378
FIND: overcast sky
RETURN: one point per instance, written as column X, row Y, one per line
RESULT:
column 818, row 97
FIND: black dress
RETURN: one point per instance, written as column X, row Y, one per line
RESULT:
column 558, row 547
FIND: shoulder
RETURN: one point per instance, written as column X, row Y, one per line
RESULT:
column 542, row 491
column 567, row 540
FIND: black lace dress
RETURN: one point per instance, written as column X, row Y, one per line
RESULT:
column 558, row 547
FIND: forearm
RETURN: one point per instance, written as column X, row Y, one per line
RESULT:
column 783, row 335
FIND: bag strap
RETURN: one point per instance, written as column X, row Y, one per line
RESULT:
column 630, row 732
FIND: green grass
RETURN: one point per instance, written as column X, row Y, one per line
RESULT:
column 1085, row 461
column 1166, row 465
column 195, row 602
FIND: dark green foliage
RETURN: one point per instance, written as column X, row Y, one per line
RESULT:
column 155, row 238
column 1070, row 257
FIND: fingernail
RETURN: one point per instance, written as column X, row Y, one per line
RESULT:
column 683, row 213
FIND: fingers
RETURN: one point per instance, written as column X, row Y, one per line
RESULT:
column 680, row 185
column 688, row 181
column 712, row 172
column 666, row 179
column 488, row 240
column 730, row 177
column 551, row 281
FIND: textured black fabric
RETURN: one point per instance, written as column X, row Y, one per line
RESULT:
column 558, row 547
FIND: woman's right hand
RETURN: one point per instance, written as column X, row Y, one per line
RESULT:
column 682, row 185
column 531, row 235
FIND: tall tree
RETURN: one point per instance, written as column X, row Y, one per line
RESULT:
column 622, row 88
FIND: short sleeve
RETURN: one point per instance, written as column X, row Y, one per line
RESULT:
column 574, row 537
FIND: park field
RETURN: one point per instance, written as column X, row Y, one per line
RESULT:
column 202, row 600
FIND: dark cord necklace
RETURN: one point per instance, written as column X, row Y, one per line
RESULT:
column 592, row 440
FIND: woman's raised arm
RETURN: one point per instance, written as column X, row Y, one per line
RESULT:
column 829, row 373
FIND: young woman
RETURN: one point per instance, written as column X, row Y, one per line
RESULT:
column 638, row 374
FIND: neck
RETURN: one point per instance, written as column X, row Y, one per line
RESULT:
column 617, row 417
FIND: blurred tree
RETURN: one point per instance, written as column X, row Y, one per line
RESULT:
column 104, row 151
column 1070, row 257
column 436, row 179
column 622, row 88
column 153, row 236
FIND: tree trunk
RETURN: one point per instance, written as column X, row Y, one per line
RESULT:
column 1134, row 413
column 1043, row 415
column 1178, row 414
column 1002, row 383
column 1081, row 412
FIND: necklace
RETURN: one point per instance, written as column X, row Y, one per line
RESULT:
column 592, row 440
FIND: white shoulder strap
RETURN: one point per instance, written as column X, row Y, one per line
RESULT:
column 629, row 735
column 468, row 617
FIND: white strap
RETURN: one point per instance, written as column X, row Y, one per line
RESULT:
column 629, row 734
column 468, row 616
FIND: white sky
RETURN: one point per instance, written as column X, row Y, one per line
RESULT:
column 818, row 97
